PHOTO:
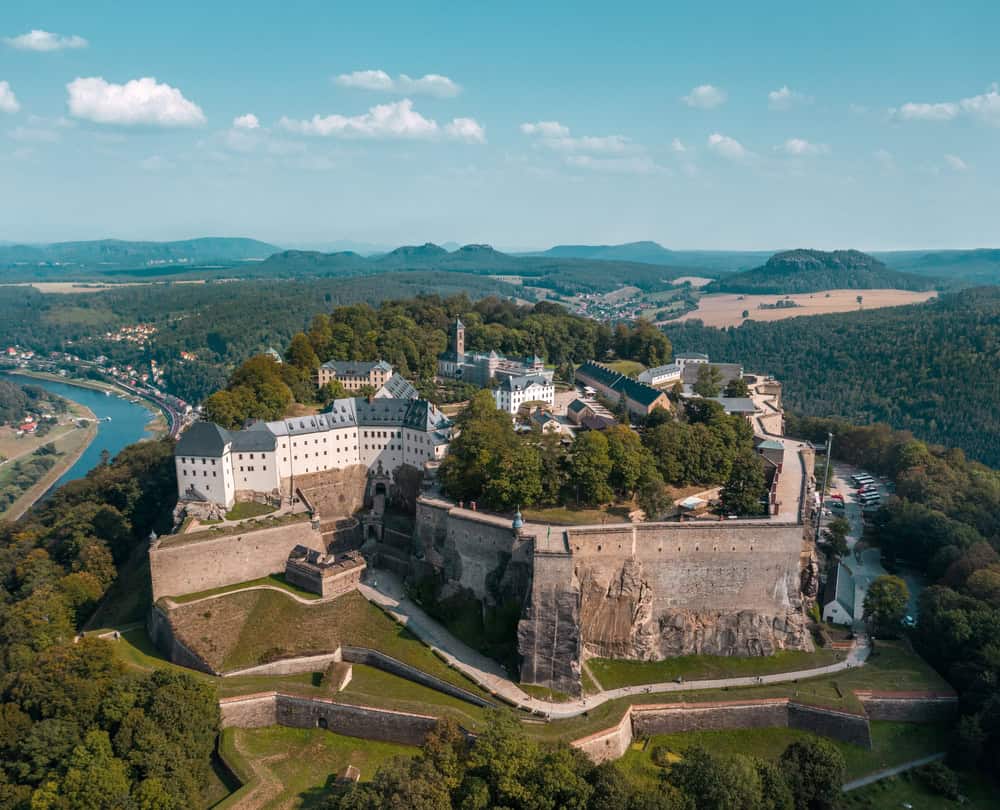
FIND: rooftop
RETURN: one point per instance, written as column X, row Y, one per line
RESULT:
column 203, row 439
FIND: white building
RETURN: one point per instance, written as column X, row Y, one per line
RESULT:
column 214, row 464
column 838, row 596
column 513, row 392
column 661, row 375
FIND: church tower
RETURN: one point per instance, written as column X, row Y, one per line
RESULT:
column 458, row 338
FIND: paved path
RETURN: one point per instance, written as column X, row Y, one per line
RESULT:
column 885, row 774
column 385, row 589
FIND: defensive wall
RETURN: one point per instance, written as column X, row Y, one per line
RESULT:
column 277, row 708
column 200, row 561
column 332, row 492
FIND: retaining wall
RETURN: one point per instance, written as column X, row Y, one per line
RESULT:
column 612, row 743
column 842, row 726
column 275, row 708
column 289, row 666
column 161, row 633
column 909, row 709
column 191, row 564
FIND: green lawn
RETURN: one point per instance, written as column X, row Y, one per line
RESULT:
column 627, row 367
column 906, row 790
column 617, row 673
column 579, row 516
column 274, row 580
column 248, row 509
column 292, row 767
column 892, row 744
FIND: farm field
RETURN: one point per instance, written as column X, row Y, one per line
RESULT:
column 725, row 309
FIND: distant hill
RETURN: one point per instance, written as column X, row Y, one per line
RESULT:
column 648, row 252
column 805, row 271
column 115, row 254
column 956, row 267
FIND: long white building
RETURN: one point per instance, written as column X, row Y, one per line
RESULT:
column 214, row 464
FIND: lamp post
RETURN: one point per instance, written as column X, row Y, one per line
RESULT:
column 826, row 482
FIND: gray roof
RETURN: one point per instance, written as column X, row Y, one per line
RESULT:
column 355, row 368
column 577, row 406
column 729, row 371
column 203, row 439
column 770, row 444
column 691, row 356
column 397, row 387
column 736, row 404
column 253, row 439
column 840, row 588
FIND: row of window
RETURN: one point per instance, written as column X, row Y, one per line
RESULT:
column 195, row 461
column 204, row 473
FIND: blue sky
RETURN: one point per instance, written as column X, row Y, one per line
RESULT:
column 719, row 126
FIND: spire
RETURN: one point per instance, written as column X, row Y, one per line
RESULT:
column 518, row 523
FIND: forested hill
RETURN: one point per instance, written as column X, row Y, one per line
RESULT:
column 110, row 254
column 805, row 271
column 930, row 368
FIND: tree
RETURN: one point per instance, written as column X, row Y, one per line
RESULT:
column 745, row 314
column 590, row 466
column 835, row 534
column 627, row 459
column 737, row 387
column 814, row 770
column 885, row 605
column 709, row 381
column 745, row 489
column 715, row 782
column 301, row 354
column 96, row 779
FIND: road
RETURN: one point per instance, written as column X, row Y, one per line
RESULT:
column 384, row 589
column 885, row 774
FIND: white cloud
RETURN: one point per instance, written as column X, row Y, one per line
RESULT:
column 45, row 41
column 8, row 101
column 466, row 129
column 676, row 145
column 395, row 120
column 985, row 107
column 550, row 129
column 431, row 84
column 248, row 121
column 554, row 135
column 956, row 163
column 885, row 159
column 637, row 164
column 799, row 147
column 705, row 97
column 140, row 101
column 784, row 98
column 34, row 134
column 727, row 147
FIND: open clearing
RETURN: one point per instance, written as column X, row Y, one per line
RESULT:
column 66, row 287
column 726, row 309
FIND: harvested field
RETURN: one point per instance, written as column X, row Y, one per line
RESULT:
column 725, row 309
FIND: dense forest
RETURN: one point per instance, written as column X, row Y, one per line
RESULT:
column 76, row 729
column 933, row 368
column 16, row 399
column 944, row 521
column 806, row 271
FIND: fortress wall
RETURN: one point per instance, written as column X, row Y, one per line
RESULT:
column 191, row 565
column 612, row 743
column 249, row 711
column 290, row 666
column 476, row 546
column 910, row 709
column 333, row 493
column 161, row 633
column 354, row 721
column 842, row 726
column 669, row 719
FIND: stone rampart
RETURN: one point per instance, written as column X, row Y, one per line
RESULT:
column 673, row 718
column 612, row 743
column 909, row 707
column 290, row 666
column 333, row 492
column 161, row 633
column 201, row 561
column 842, row 726
column 276, row 708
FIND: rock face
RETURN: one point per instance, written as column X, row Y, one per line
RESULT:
column 619, row 619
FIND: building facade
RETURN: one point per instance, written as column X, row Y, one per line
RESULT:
column 513, row 392
column 355, row 374
column 640, row 399
column 480, row 369
column 214, row 464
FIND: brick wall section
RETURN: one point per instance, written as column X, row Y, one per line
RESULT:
column 161, row 633
column 289, row 666
column 275, row 708
column 214, row 562
column 612, row 743
column 909, row 707
column 842, row 726
column 673, row 718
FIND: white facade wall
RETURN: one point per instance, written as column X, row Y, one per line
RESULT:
column 511, row 401
column 212, row 477
column 255, row 471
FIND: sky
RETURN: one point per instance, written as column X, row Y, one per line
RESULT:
column 724, row 125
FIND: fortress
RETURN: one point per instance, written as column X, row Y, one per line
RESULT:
column 642, row 591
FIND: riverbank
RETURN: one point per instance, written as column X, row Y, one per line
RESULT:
column 71, row 445
column 159, row 426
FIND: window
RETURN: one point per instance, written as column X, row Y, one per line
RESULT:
column 213, row 462
column 213, row 474
column 241, row 457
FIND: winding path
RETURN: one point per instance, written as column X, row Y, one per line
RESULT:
column 887, row 772
column 385, row 590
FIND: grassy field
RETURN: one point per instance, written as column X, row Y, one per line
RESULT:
column 273, row 580
column 616, row 673
column 578, row 516
column 248, row 509
column 892, row 744
column 292, row 767
column 906, row 790
column 239, row 528
column 251, row 627
column 629, row 368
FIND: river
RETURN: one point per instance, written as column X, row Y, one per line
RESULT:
column 129, row 422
